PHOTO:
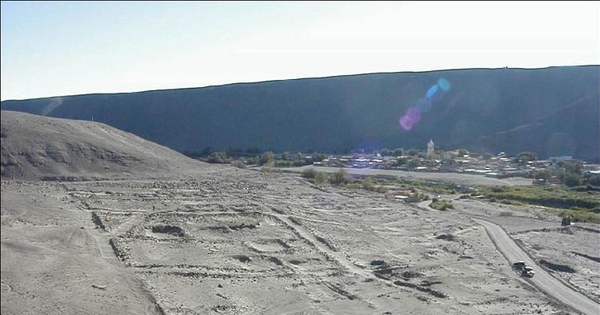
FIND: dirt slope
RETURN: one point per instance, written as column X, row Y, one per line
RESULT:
column 37, row 147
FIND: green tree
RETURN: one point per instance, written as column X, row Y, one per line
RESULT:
column 218, row 157
column 400, row 162
column 574, row 167
column 571, row 179
column 525, row 157
column 592, row 179
column 286, row 156
column 414, row 163
column 543, row 175
column 398, row 152
column 318, row 157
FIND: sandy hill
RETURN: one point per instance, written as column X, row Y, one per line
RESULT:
column 37, row 147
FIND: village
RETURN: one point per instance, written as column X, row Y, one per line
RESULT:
column 501, row 165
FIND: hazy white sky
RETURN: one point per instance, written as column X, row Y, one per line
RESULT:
column 66, row 48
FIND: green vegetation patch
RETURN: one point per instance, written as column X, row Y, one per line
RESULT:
column 342, row 178
column 582, row 206
column 441, row 205
column 437, row 187
column 556, row 197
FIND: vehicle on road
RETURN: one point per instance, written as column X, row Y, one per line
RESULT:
column 527, row 272
column 519, row 265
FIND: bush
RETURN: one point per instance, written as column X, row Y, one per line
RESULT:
column 442, row 205
column 218, row 157
column 340, row 177
column 238, row 164
column 267, row 158
column 309, row 173
column 571, row 179
column 321, row 178
column 381, row 189
column 368, row 184
column 581, row 216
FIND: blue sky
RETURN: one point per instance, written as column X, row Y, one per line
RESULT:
column 67, row 48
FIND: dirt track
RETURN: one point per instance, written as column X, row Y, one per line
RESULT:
column 542, row 279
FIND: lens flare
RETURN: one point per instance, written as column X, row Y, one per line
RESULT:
column 413, row 114
column 424, row 105
column 444, row 84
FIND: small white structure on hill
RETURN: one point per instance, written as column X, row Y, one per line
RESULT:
column 430, row 148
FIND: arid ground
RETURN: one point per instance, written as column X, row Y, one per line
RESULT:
column 194, row 238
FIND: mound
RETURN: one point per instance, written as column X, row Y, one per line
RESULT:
column 37, row 147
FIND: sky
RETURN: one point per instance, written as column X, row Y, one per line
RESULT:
column 67, row 48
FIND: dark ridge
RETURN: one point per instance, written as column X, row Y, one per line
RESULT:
column 550, row 111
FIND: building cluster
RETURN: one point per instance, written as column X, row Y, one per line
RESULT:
column 500, row 165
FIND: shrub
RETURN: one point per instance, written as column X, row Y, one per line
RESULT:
column 571, row 179
column 368, row 184
column 309, row 173
column 339, row 177
column 218, row 157
column 442, row 205
column 267, row 158
column 381, row 189
column 238, row 164
column 321, row 178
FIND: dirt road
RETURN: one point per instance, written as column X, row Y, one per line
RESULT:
column 542, row 279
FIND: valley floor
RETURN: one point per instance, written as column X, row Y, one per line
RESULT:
column 233, row 241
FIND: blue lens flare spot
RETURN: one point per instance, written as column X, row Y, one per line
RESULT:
column 414, row 113
column 444, row 84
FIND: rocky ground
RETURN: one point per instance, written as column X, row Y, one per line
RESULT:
column 233, row 241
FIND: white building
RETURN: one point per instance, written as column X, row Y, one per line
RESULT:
column 430, row 148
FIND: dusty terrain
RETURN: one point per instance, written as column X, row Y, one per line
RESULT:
column 223, row 240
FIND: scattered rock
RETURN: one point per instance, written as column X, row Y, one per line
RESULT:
column 168, row 229
column 242, row 258
column 446, row 237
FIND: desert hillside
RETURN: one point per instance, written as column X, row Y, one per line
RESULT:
column 167, row 235
column 38, row 147
column 551, row 111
